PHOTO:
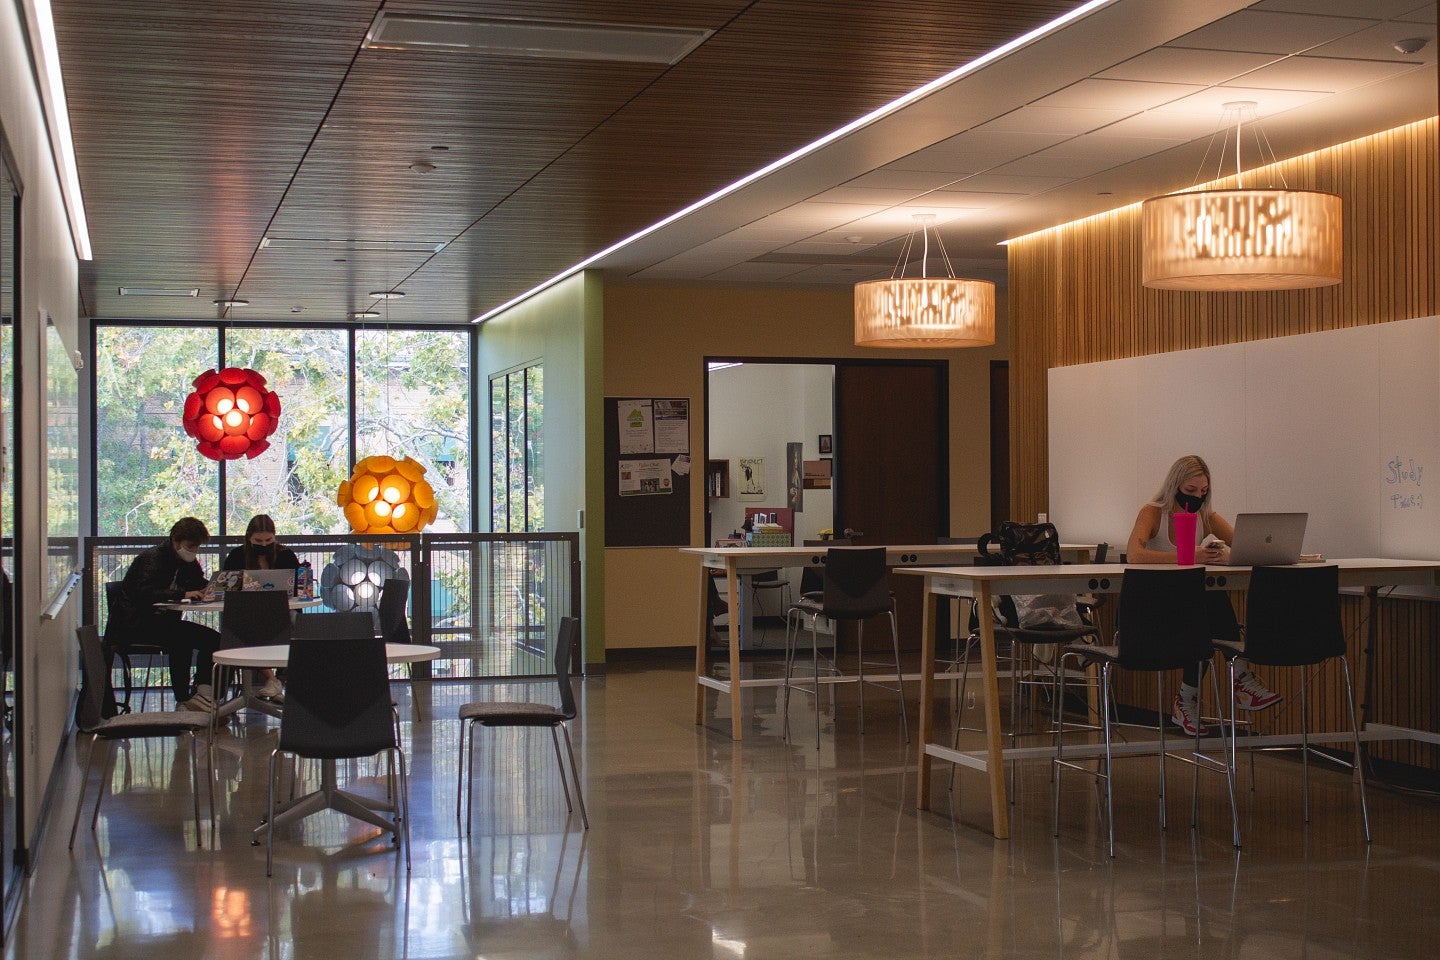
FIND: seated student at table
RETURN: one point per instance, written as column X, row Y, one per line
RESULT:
column 261, row 551
column 1187, row 487
column 166, row 573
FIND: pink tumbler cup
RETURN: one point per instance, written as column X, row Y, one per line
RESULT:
column 1184, row 538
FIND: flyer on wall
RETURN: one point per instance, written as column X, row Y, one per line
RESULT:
column 672, row 426
column 643, row 478
column 637, row 435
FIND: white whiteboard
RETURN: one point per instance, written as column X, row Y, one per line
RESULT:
column 1344, row 425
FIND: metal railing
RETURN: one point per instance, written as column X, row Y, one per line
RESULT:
column 492, row 603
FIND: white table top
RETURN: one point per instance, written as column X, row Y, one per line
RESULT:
column 1106, row 577
column 278, row 655
column 216, row 606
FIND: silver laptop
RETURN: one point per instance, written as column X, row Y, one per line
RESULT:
column 231, row 580
column 1268, row 539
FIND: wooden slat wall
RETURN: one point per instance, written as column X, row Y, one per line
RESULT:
column 1076, row 297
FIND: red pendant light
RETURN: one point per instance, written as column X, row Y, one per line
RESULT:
column 231, row 414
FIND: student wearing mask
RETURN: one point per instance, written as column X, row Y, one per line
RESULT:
column 261, row 551
column 165, row 573
column 1187, row 488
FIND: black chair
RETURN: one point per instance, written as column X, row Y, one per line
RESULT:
column 351, row 624
column 337, row 707
column 768, row 582
column 504, row 714
column 116, row 645
column 394, row 596
column 856, row 588
column 128, row 726
column 1161, row 625
column 251, row 618
column 1292, row 619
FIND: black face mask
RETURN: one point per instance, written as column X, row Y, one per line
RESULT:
column 1188, row 503
column 267, row 553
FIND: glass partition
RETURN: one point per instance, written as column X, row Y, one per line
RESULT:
column 295, row 479
column 147, row 471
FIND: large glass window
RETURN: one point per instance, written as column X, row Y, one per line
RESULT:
column 295, row 479
column 517, row 468
column 147, row 472
column 412, row 397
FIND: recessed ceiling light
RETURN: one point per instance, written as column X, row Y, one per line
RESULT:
column 388, row 294
column 159, row 292
column 516, row 37
column 365, row 314
column 231, row 303
column 297, row 309
column 439, row 146
column 422, row 166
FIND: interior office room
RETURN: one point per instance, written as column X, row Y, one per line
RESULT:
column 585, row 263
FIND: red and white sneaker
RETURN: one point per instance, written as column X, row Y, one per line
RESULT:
column 1185, row 715
column 1251, row 694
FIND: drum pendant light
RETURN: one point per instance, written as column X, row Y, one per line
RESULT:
column 924, row 311
column 1242, row 239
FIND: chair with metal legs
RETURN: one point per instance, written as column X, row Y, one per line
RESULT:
column 488, row 713
column 1292, row 619
column 1161, row 625
column 856, row 588
column 126, row 726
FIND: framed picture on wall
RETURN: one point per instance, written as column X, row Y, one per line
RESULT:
column 752, row 478
column 824, row 443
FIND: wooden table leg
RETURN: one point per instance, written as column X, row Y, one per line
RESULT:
column 927, row 694
column 732, row 595
column 702, row 643
column 995, row 762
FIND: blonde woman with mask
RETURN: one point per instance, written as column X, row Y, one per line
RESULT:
column 1187, row 488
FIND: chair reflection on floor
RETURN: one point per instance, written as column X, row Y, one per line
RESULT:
column 505, row 912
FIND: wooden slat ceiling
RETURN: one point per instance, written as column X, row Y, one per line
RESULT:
column 202, row 128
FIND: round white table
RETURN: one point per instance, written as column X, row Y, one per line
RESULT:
column 329, row 796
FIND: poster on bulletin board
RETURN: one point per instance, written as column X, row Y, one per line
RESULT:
column 647, row 471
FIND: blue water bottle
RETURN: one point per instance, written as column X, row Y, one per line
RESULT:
column 303, row 579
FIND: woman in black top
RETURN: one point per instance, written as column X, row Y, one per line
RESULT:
column 261, row 551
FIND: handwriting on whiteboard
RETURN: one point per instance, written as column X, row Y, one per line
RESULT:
column 1402, row 476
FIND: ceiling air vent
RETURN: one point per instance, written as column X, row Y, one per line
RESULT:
column 553, row 39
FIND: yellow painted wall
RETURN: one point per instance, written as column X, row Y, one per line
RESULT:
column 656, row 339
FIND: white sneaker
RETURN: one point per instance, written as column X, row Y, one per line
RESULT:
column 1185, row 714
column 271, row 690
column 199, row 703
column 1251, row 694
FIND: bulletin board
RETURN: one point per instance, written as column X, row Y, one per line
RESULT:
column 648, row 466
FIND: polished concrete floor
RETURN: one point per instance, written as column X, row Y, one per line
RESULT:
column 703, row 848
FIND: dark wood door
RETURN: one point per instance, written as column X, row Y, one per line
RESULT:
column 891, row 465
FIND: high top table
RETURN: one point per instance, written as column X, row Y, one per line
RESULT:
column 980, row 583
column 741, row 563
column 329, row 796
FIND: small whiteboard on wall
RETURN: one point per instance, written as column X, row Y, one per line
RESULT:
column 1344, row 425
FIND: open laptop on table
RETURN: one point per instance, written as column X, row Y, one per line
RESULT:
column 227, row 581
column 1267, row 539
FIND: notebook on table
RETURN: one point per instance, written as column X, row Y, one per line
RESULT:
column 227, row 581
column 1267, row 539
